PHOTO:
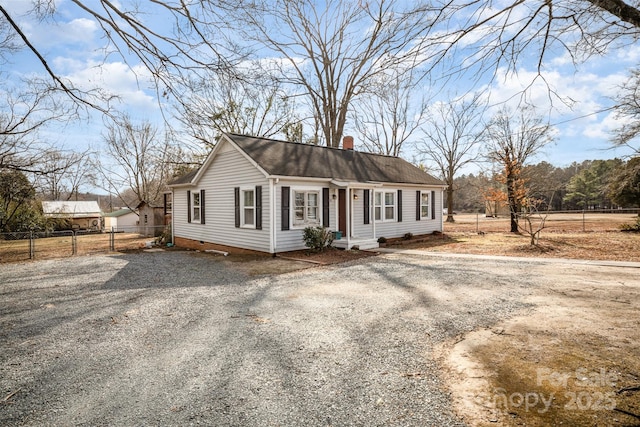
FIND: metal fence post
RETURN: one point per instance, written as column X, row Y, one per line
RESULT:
column 112, row 241
column 32, row 246
column 74, row 243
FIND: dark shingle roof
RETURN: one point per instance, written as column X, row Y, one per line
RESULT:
column 184, row 179
column 281, row 158
column 118, row 213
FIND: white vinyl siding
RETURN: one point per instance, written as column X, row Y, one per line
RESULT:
column 391, row 229
column 228, row 170
column 360, row 229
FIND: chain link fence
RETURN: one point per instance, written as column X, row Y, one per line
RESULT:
column 26, row 245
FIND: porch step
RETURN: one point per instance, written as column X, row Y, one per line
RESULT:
column 360, row 243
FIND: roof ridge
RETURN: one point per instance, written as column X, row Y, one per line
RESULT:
column 315, row 145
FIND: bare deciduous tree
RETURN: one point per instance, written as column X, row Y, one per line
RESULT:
column 533, row 218
column 255, row 104
column 66, row 173
column 452, row 134
column 23, row 114
column 390, row 115
column 512, row 139
column 494, row 34
column 168, row 38
column 333, row 52
column 628, row 109
column 136, row 158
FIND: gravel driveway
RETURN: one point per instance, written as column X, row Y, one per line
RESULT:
column 176, row 338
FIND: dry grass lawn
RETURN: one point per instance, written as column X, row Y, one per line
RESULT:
column 63, row 246
column 596, row 237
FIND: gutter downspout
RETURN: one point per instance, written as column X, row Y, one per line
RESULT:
column 272, row 216
column 441, row 210
column 347, row 207
column 173, row 217
column 372, row 197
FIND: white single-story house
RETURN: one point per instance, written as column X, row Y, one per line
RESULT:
column 85, row 215
column 121, row 220
column 259, row 194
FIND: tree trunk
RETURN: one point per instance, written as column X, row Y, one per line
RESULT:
column 513, row 204
column 514, row 222
column 450, row 204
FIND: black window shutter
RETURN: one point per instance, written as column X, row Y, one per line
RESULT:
column 433, row 205
column 236, row 202
column 399, row 205
column 284, row 218
column 418, row 205
column 367, row 207
column 258, row 207
column 325, row 207
column 188, row 206
column 201, row 206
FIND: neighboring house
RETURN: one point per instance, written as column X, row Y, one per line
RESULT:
column 260, row 194
column 121, row 220
column 83, row 215
column 152, row 219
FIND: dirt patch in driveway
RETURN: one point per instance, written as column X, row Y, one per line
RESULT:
column 572, row 361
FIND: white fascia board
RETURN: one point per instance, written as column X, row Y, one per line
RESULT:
column 184, row 184
column 355, row 184
column 205, row 165
column 404, row 184
column 298, row 178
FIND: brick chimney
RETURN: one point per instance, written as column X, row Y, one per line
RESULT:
column 347, row 143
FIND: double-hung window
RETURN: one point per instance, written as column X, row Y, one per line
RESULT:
column 425, row 211
column 248, row 208
column 306, row 210
column 195, row 206
column 385, row 206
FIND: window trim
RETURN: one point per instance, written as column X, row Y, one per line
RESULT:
column 383, row 206
column 244, row 190
column 295, row 224
column 424, row 216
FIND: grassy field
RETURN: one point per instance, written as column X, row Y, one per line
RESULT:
column 592, row 236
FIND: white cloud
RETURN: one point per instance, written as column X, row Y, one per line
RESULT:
column 132, row 84
column 603, row 128
column 78, row 33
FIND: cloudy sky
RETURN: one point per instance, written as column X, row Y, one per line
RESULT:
column 73, row 46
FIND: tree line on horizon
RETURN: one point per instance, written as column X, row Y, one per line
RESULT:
column 587, row 185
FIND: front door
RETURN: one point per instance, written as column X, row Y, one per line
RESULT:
column 342, row 211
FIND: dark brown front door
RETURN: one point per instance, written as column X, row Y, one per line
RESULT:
column 342, row 211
